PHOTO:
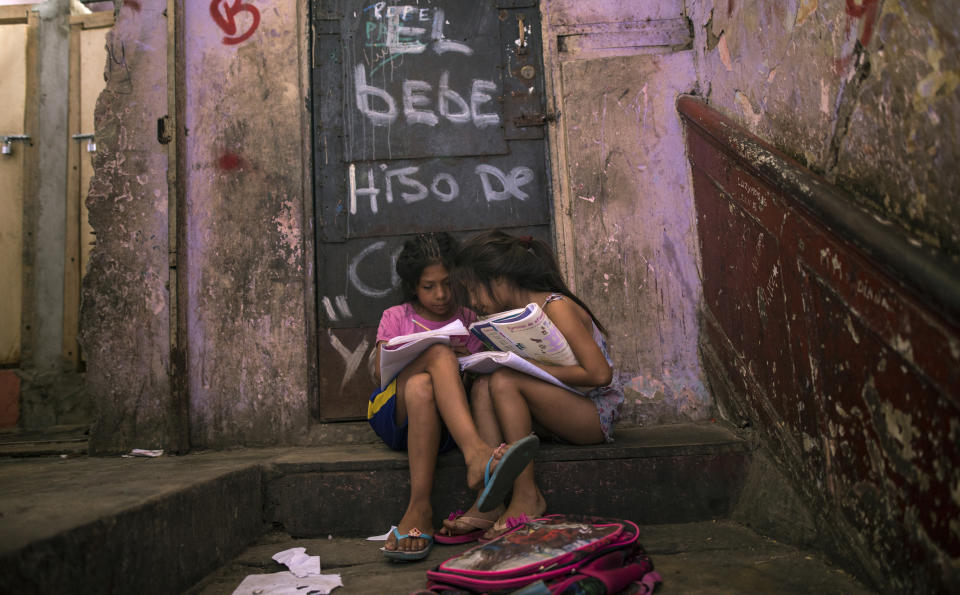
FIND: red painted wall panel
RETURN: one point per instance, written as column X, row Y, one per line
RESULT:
column 839, row 340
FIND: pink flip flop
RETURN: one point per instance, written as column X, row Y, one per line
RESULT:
column 480, row 526
column 511, row 523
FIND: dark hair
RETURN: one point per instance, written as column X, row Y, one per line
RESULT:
column 418, row 253
column 525, row 261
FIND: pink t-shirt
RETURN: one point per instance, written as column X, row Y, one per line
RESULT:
column 404, row 320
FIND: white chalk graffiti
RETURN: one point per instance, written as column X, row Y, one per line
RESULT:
column 351, row 358
column 342, row 307
column 401, row 38
column 510, row 183
column 416, row 102
column 354, row 266
column 497, row 185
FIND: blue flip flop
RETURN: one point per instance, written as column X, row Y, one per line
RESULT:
column 408, row 556
column 496, row 486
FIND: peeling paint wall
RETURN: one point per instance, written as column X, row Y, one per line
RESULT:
column 864, row 92
column 125, row 311
column 861, row 406
column 619, row 69
column 633, row 209
column 247, row 332
column 242, row 269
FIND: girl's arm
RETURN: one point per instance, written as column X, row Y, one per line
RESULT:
column 592, row 368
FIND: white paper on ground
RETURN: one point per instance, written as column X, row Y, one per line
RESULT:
column 299, row 563
column 382, row 537
column 285, row 583
column 142, row 452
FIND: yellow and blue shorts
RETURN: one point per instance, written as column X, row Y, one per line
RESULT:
column 381, row 413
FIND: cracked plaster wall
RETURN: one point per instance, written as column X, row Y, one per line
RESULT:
column 244, row 190
column 632, row 211
column 618, row 70
column 793, row 73
column 125, row 309
column 863, row 92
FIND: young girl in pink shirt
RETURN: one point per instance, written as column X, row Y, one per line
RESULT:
column 424, row 409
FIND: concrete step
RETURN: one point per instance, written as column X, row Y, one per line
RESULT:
column 158, row 525
column 711, row 557
column 68, row 440
column 665, row 474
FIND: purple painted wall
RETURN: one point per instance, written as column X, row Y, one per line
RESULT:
column 245, row 195
column 626, row 225
column 125, row 310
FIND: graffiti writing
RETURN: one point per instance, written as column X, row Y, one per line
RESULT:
column 416, row 102
column 352, row 358
column 401, row 184
column 224, row 13
column 391, row 27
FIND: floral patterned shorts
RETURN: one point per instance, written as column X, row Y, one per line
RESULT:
column 607, row 399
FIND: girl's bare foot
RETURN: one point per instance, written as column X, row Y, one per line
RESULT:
column 470, row 521
column 478, row 458
column 419, row 518
column 477, row 464
column 532, row 507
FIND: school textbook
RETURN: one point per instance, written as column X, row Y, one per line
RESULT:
column 528, row 332
column 396, row 353
column 516, row 336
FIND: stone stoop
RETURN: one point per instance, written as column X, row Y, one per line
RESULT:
column 665, row 474
column 82, row 524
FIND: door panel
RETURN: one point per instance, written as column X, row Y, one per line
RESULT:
column 13, row 55
column 427, row 117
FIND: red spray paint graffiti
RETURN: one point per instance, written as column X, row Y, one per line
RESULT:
column 224, row 13
column 230, row 162
column 867, row 11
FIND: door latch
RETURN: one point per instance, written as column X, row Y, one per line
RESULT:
column 525, row 120
column 6, row 142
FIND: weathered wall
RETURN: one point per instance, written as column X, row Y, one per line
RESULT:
column 865, row 93
column 835, row 339
column 246, row 283
column 623, row 183
column 125, row 311
column 242, row 274
column 864, row 418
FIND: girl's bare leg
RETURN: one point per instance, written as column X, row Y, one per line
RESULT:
column 517, row 400
column 488, row 427
column 441, row 364
column 423, row 444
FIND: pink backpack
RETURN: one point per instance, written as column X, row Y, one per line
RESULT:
column 554, row 554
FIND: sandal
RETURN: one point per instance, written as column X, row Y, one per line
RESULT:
column 511, row 524
column 498, row 484
column 474, row 528
column 409, row 556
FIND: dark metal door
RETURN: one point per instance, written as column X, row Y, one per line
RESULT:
column 427, row 116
